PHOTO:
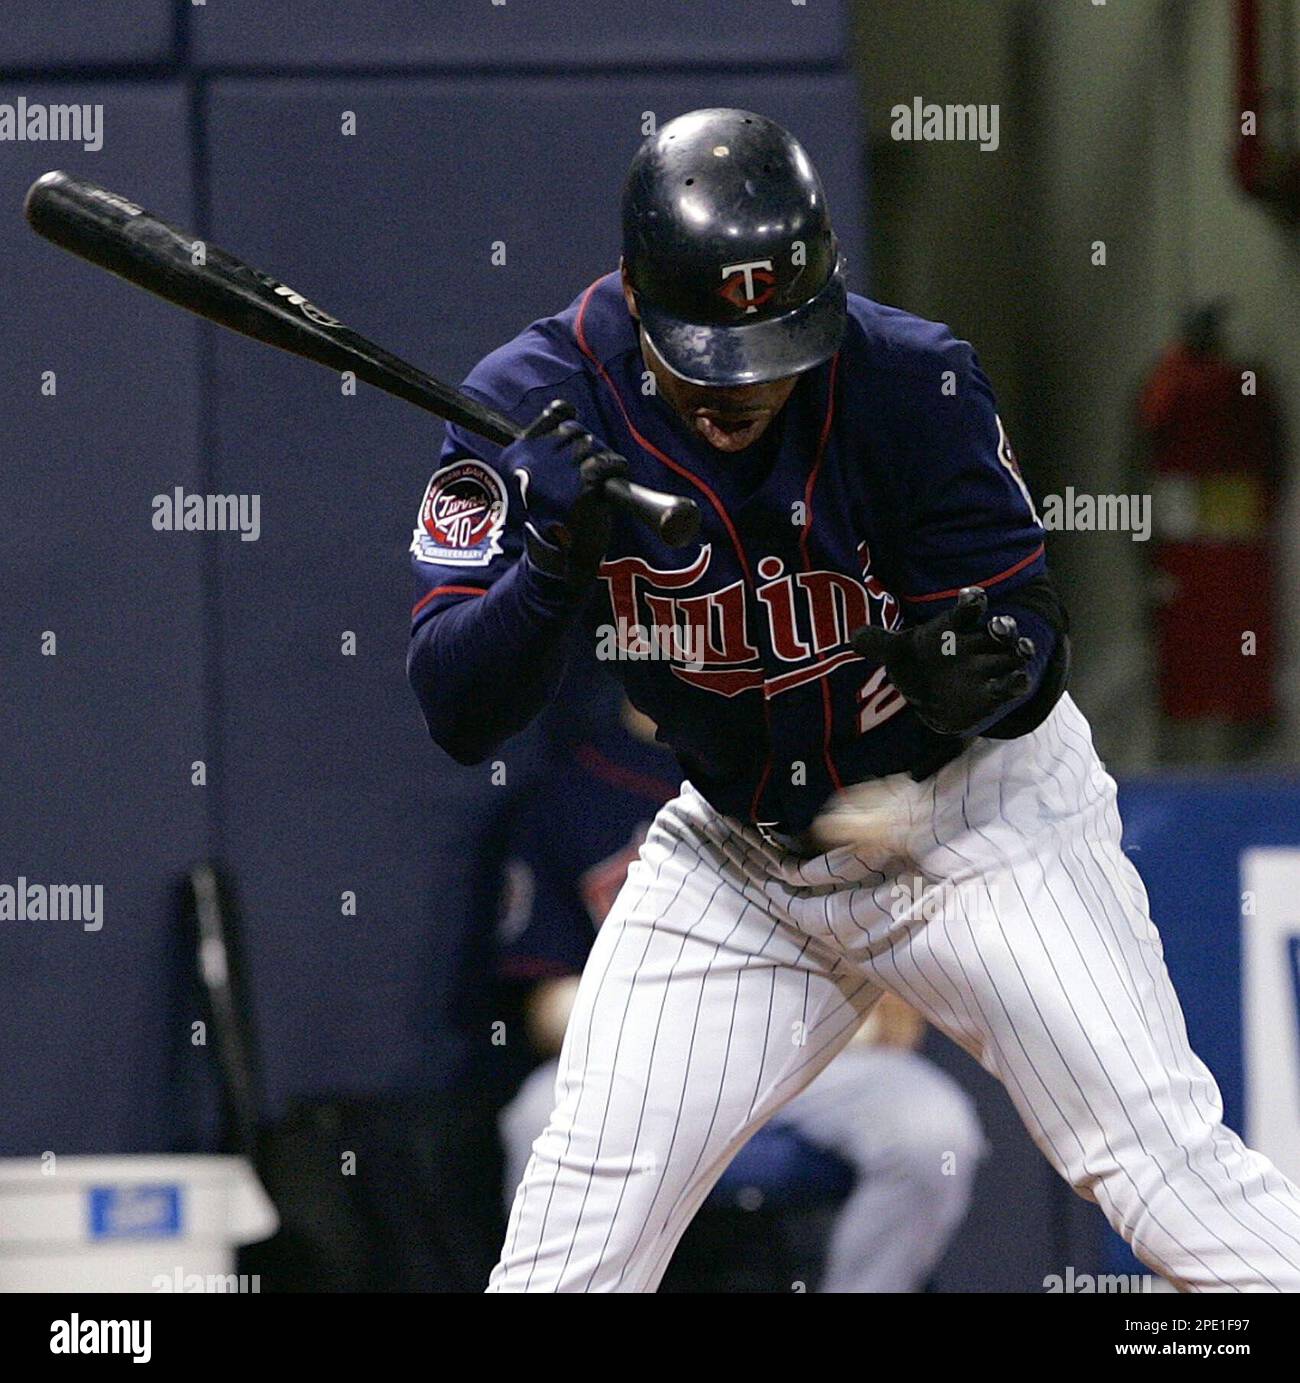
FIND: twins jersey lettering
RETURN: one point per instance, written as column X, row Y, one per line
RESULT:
column 883, row 489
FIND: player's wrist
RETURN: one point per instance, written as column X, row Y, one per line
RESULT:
column 551, row 573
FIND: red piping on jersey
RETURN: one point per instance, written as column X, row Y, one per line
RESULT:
column 817, row 463
column 767, row 769
column 827, row 711
column 656, row 790
column 991, row 581
column 677, row 468
column 444, row 590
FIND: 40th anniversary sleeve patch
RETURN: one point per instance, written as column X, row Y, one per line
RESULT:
column 462, row 516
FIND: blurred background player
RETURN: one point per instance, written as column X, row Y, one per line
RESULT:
column 906, row 1133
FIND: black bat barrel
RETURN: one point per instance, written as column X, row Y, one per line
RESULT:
column 115, row 233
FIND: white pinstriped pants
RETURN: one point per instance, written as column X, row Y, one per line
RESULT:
column 728, row 974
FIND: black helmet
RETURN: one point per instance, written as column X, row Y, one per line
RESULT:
column 729, row 247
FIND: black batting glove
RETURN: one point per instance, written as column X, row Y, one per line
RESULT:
column 957, row 670
column 561, row 471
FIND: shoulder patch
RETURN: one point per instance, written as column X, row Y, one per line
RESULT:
column 462, row 516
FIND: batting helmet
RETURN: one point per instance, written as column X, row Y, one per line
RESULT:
column 728, row 245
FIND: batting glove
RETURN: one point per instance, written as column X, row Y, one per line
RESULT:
column 957, row 670
column 560, row 470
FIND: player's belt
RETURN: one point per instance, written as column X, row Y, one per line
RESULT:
column 790, row 843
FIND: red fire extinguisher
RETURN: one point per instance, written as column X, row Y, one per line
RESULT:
column 1215, row 450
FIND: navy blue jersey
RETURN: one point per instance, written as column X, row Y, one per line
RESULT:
column 884, row 486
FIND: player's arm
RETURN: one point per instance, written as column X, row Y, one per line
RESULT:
column 985, row 648
column 505, row 553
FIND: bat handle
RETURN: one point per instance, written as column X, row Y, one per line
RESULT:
column 675, row 518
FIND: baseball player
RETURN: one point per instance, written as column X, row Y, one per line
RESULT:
column 860, row 666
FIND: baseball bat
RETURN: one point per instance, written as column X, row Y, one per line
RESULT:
column 115, row 233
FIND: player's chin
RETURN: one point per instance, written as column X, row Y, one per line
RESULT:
column 731, row 434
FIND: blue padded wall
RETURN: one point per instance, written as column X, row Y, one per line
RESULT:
column 98, row 739
column 328, row 781
column 57, row 33
column 574, row 34
column 1197, row 904
column 393, row 227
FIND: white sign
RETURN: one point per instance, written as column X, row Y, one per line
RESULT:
column 1270, row 1002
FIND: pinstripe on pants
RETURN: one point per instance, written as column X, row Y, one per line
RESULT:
column 728, row 974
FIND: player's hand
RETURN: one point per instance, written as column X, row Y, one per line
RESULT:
column 560, row 470
column 956, row 670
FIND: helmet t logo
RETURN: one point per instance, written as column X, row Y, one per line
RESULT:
column 741, row 280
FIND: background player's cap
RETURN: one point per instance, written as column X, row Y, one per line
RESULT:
column 728, row 244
